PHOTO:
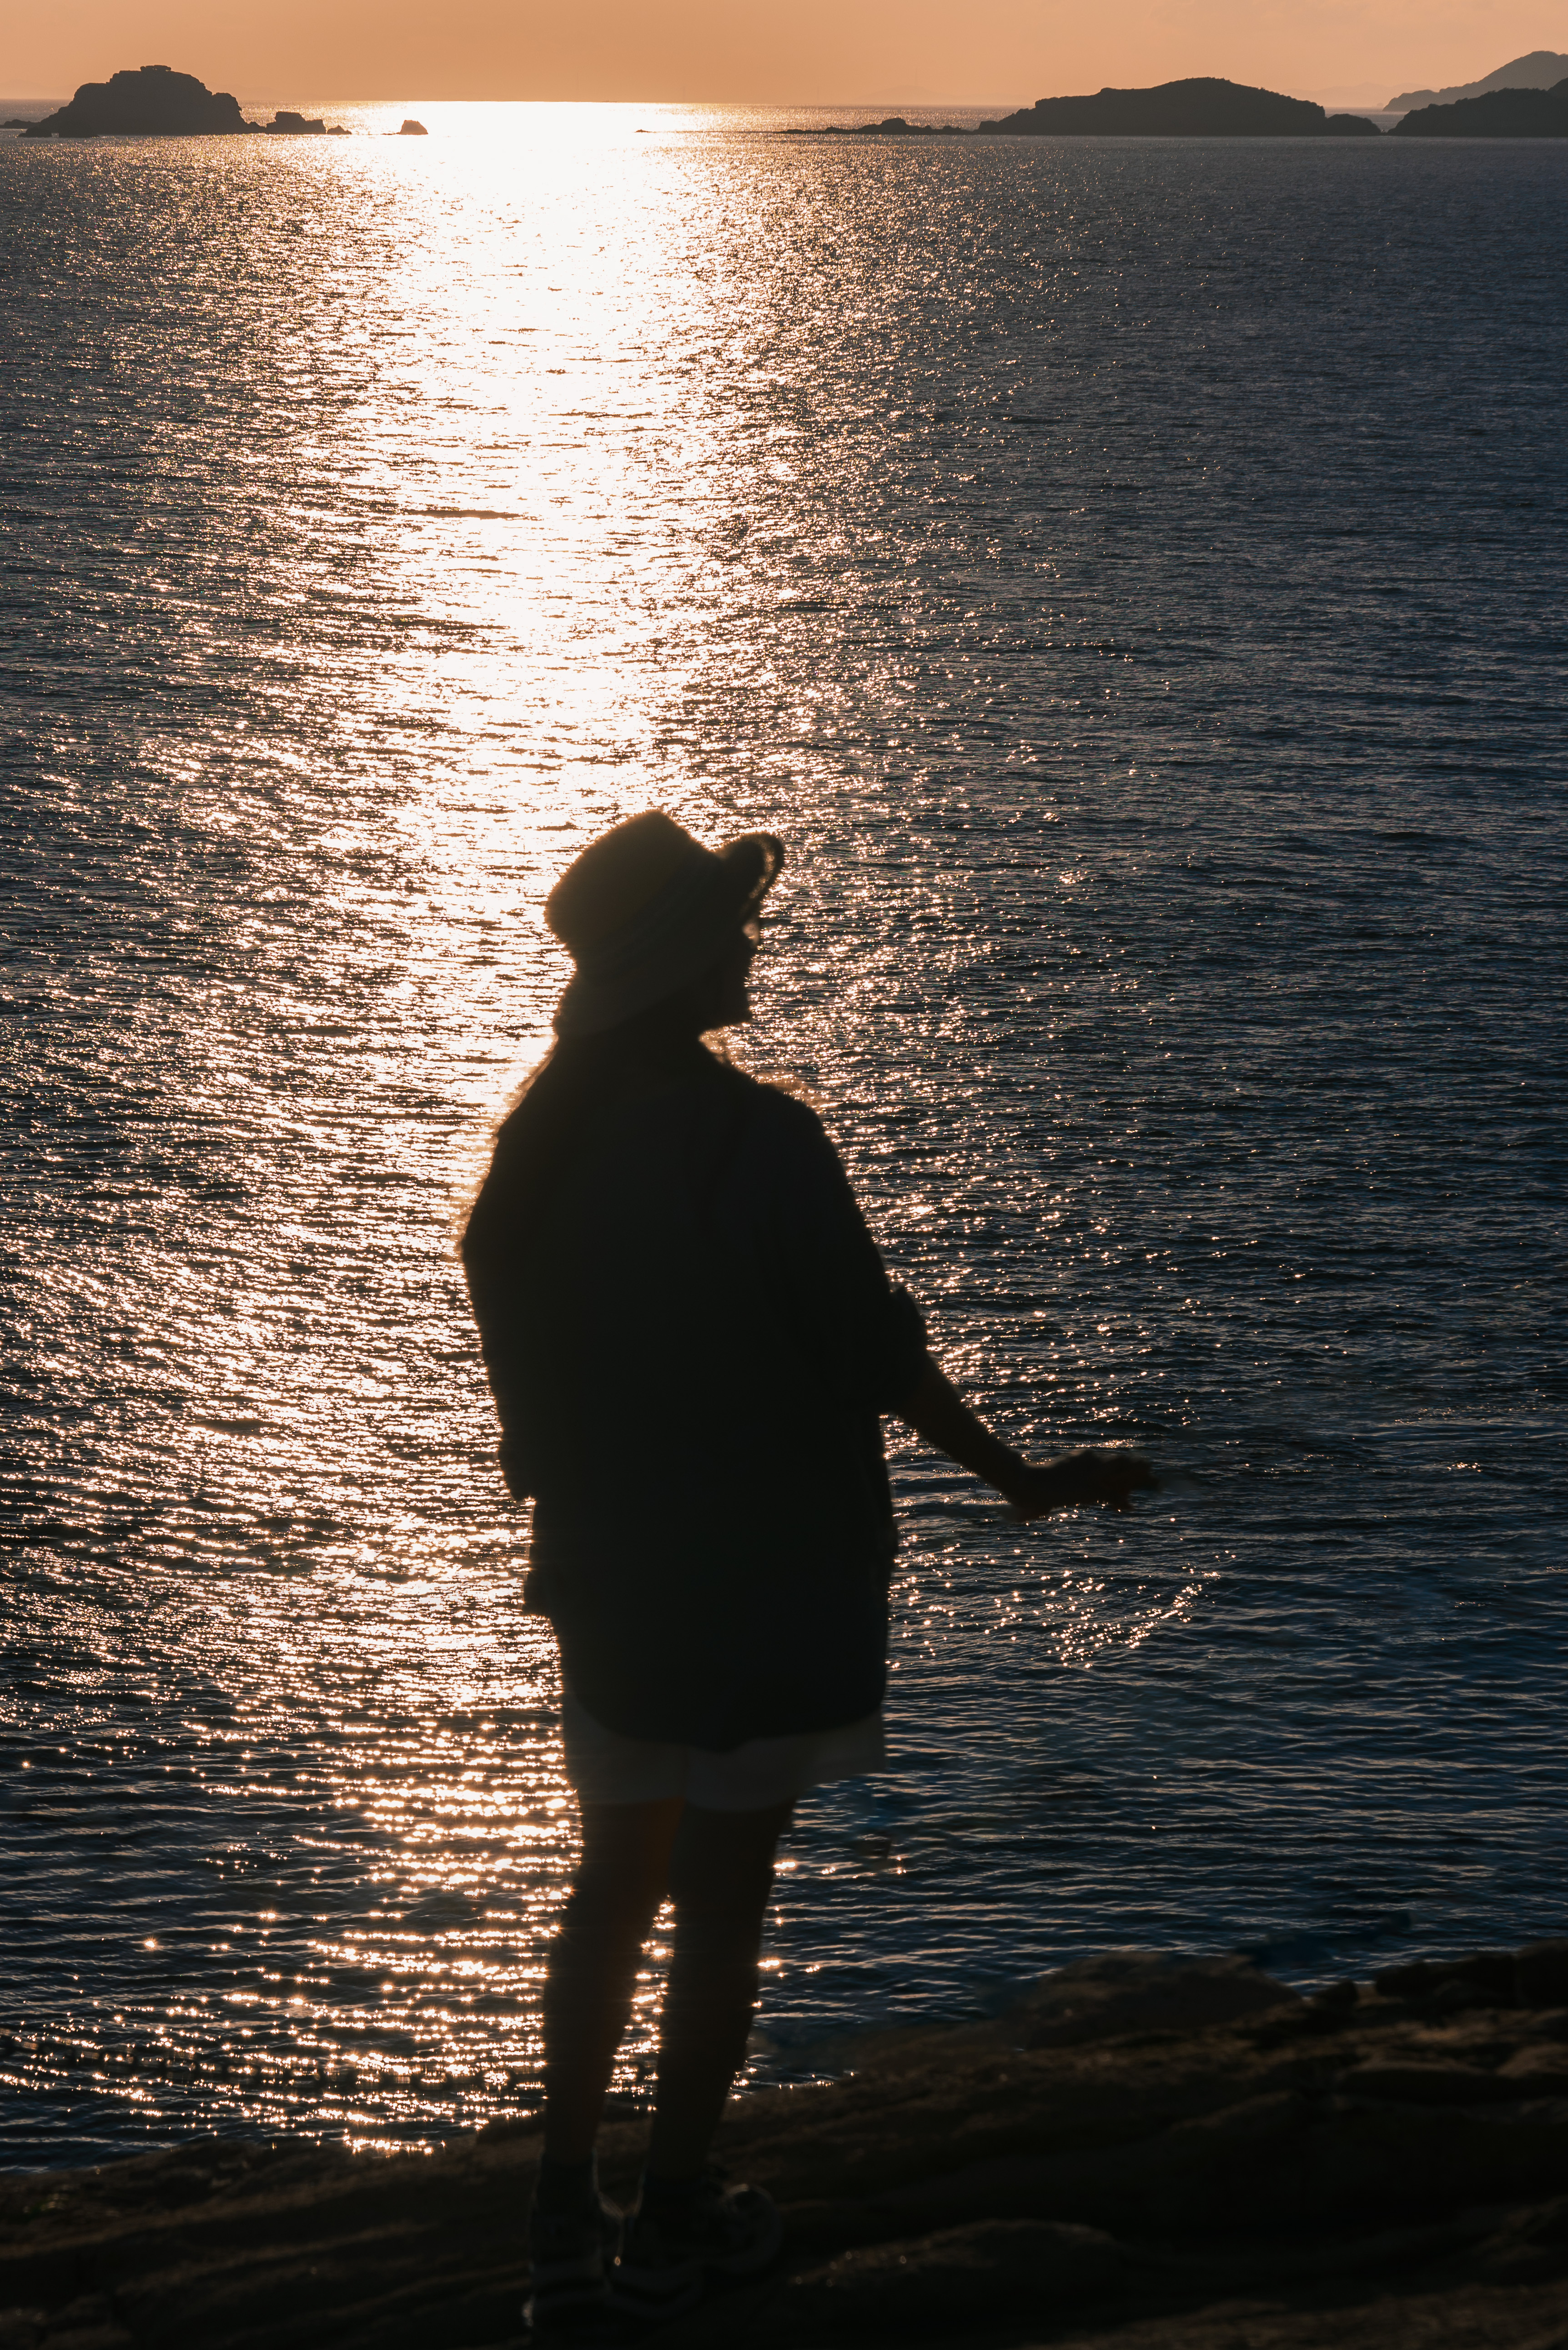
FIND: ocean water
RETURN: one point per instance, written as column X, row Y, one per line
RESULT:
column 1130, row 575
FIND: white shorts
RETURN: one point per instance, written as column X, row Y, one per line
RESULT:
column 606, row 1768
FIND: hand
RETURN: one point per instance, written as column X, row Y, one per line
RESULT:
column 939, row 1414
column 1109, row 1478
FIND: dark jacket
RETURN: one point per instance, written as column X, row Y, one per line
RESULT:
column 691, row 1339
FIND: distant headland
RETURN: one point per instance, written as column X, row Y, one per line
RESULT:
column 1201, row 107
column 156, row 101
column 1205, row 107
column 1542, row 69
column 1497, row 114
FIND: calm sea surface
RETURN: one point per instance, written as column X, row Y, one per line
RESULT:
column 1131, row 575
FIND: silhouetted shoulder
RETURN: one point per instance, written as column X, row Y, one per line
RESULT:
column 773, row 1098
column 782, row 1109
column 782, row 1128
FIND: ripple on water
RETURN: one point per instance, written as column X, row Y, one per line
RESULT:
column 1131, row 575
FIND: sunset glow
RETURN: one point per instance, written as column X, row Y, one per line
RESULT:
column 692, row 51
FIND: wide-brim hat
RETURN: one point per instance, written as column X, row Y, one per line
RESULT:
column 646, row 910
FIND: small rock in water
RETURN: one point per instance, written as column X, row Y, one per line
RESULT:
column 1485, row 1979
column 1139, row 1991
column 412, row 130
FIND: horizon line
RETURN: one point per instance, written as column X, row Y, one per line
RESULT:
column 924, row 104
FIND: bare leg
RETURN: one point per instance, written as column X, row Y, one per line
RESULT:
column 619, row 1883
column 721, row 1874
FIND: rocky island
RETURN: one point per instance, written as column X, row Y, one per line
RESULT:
column 1202, row 108
column 892, row 126
column 1139, row 2153
column 1497, row 114
column 156, row 101
column 154, row 98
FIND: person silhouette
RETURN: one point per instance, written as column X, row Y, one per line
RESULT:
column 692, row 1340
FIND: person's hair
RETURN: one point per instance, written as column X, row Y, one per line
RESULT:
column 556, row 1101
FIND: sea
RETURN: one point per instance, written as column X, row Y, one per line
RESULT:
column 1130, row 575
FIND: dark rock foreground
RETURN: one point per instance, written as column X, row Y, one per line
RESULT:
column 1499, row 114
column 1154, row 2154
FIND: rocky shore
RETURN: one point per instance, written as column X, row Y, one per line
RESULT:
column 1157, row 2155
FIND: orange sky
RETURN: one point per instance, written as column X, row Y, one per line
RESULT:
column 800, row 51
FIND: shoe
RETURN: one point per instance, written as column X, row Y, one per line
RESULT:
column 569, row 2254
column 665, row 2268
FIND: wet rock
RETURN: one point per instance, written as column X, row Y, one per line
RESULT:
column 1541, row 2072
column 1325, row 2010
column 956, row 2279
column 1137, row 1991
column 1541, row 1975
column 89, row 2324
column 1428, row 2084
column 1142, row 2154
column 412, row 130
column 1485, row 1979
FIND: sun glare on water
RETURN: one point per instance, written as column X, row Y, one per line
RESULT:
column 404, row 512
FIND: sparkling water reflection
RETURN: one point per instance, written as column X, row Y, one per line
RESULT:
column 1131, row 575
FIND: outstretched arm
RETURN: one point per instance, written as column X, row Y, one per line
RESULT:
column 938, row 1412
